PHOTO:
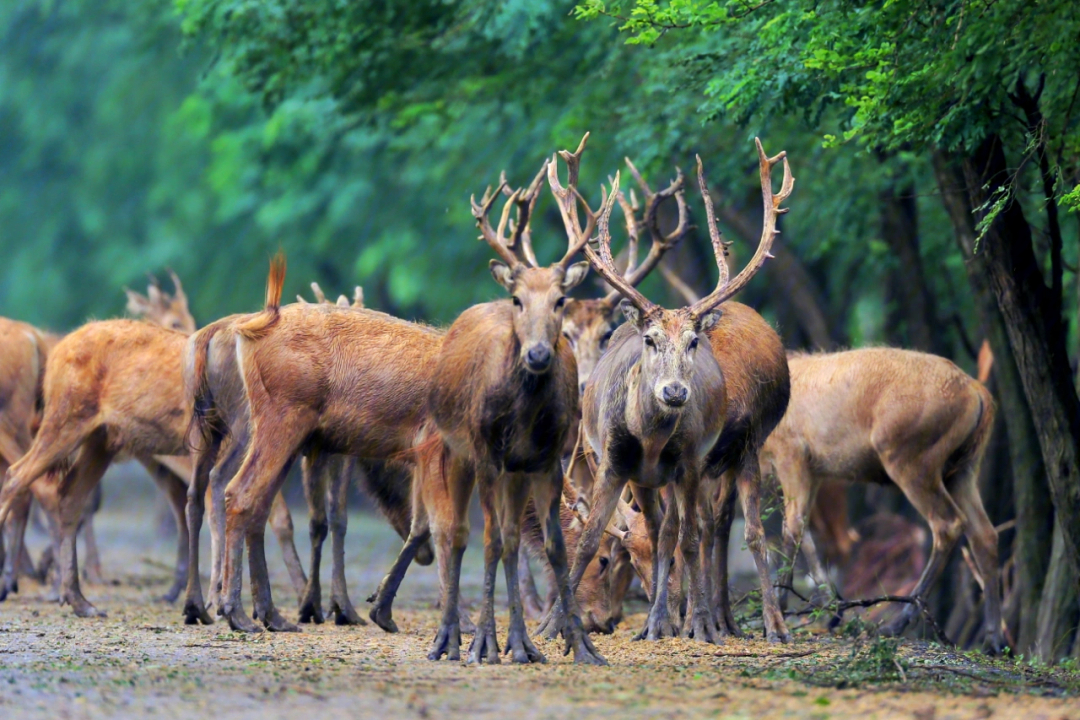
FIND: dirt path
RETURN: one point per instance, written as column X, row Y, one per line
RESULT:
column 142, row 661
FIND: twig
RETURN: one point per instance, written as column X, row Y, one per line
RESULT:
column 845, row 605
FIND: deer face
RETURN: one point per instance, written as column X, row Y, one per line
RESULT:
column 539, row 304
column 588, row 326
column 160, row 308
column 670, row 342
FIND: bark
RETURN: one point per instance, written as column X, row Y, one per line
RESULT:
column 1059, row 611
column 1041, row 357
column 900, row 229
column 1031, row 492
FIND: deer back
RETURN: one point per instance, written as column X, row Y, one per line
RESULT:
column 125, row 375
column 23, row 353
column 365, row 374
column 848, row 408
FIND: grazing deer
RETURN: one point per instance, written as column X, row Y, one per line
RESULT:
column 656, row 411
column 504, row 403
column 888, row 415
column 318, row 379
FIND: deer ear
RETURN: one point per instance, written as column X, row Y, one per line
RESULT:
column 631, row 313
column 137, row 304
column 574, row 275
column 709, row 320
column 502, row 274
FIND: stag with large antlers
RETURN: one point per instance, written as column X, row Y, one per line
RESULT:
column 656, row 409
column 504, row 403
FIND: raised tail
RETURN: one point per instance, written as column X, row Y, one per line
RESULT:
column 258, row 325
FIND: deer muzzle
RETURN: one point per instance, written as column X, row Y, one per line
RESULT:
column 538, row 358
column 674, row 394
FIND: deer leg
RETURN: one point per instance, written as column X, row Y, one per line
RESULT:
column 258, row 479
column 15, row 530
column 706, row 534
column 224, row 471
column 983, row 539
column 70, row 495
column 260, row 574
column 175, row 490
column 92, row 563
column 659, row 624
column 547, row 493
column 316, row 476
column 725, row 514
column 605, row 497
column 340, row 604
column 699, row 623
column 282, row 525
column 513, row 499
column 194, row 606
column 485, row 644
column 749, row 482
column 530, row 596
column 924, row 488
column 382, row 611
column 451, row 531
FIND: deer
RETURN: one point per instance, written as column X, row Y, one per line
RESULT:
column 503, row 406
column 890, row 415
column 589, row 324
column 111, row 388
column 317, row 379
column 23, row 353
column 657, row 410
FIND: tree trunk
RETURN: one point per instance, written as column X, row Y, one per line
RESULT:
column 1041, row 357
column 1059, row 610
column 1031, row 492
column 900, row 229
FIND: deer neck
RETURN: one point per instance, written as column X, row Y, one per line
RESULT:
column 650, row 422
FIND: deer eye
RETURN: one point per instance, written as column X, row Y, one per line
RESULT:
column 693, row 344
column 649, row 342
column 560, row 303
column 517, row 302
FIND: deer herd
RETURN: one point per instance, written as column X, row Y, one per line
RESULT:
column 600, row 451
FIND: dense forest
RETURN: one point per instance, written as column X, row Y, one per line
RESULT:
column 936, row 148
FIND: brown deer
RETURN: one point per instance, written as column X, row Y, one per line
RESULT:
column 23, row 353
column 110, row 388
column 657, row 411
column 504, row 403
column 318, row 379
column 889, row 415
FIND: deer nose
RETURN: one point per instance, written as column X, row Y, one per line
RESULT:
column 538, row 358
column 675, row 394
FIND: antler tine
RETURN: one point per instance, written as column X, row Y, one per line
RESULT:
column 719, row 246
column 629, row 208
column 725, row 289
column 178, row 289
column 358, row 297
column 494, row 238
column 604, row 263
column 526, row 202
column 319, row 296
column 567, row 199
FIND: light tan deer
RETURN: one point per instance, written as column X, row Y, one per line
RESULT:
column 889, row 415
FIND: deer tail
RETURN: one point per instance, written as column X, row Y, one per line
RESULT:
column 261, row 323
column 196, row 360
column 969, row 455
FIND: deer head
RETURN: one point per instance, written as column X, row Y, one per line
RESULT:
column 590, row 323
column 160, row 308
column 538, row 294
column 671, row 338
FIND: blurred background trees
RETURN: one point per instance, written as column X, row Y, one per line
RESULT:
column 935, row 146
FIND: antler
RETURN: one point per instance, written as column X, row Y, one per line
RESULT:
column 724, row 288
column 520, row 235
column 178, row 289
column 604, row 263
column 567, row 199
column 661, row 243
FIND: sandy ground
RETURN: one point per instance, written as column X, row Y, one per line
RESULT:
column 142, row 661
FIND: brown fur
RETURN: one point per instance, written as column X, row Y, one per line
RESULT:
column 887, row 415
column 324, row 379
